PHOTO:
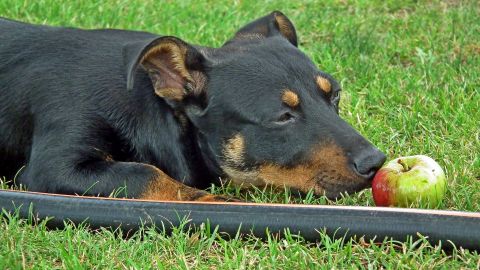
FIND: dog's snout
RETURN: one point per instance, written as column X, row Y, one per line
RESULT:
column 367, row 162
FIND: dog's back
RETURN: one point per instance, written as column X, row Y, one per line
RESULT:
column 50, row 71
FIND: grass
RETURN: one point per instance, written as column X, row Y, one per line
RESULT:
column 77, row 247
column 411, row 78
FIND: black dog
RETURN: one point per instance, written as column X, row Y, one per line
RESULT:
column 91, row 111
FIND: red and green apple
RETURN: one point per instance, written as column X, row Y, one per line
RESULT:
column 407, row 180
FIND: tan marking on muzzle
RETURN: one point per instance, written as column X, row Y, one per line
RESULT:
column 290, row 98
column 326, row 166
column 325, row 170
column 323, row 84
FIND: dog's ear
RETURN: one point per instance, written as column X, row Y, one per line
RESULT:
column 175, row 68
column 275, row 23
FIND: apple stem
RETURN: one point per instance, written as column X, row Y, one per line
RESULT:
column 404, row 165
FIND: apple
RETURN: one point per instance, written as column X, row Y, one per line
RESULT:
column 406, row 180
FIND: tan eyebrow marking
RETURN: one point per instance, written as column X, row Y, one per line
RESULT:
column 290, row 98
column 323, row 84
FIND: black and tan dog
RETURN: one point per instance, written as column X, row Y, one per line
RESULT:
column 90, row 111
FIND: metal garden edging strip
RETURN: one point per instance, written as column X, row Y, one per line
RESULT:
column 460, row 228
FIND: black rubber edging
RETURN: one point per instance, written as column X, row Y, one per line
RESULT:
column 460, row 228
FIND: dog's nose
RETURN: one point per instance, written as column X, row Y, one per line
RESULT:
column 367, row 162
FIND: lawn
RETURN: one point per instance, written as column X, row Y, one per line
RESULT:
column 410, row 72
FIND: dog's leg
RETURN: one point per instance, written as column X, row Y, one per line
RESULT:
column 135, row 180
column 59, row 171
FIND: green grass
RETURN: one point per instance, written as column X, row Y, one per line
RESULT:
column 410, row 71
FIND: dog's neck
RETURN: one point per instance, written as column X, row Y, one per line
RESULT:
column 164, row 138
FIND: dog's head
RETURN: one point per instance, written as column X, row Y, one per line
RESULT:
column 263, row 113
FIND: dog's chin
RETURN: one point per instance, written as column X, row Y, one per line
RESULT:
column 335, row 192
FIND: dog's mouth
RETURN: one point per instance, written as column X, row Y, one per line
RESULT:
column 334, row 191
column 332, row 188
column 328, row 183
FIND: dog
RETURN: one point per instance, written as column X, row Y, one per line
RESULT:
column 89, row 112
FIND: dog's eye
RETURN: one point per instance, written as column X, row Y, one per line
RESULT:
column 284, row 118
column 336, row 95
column 335, row 99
